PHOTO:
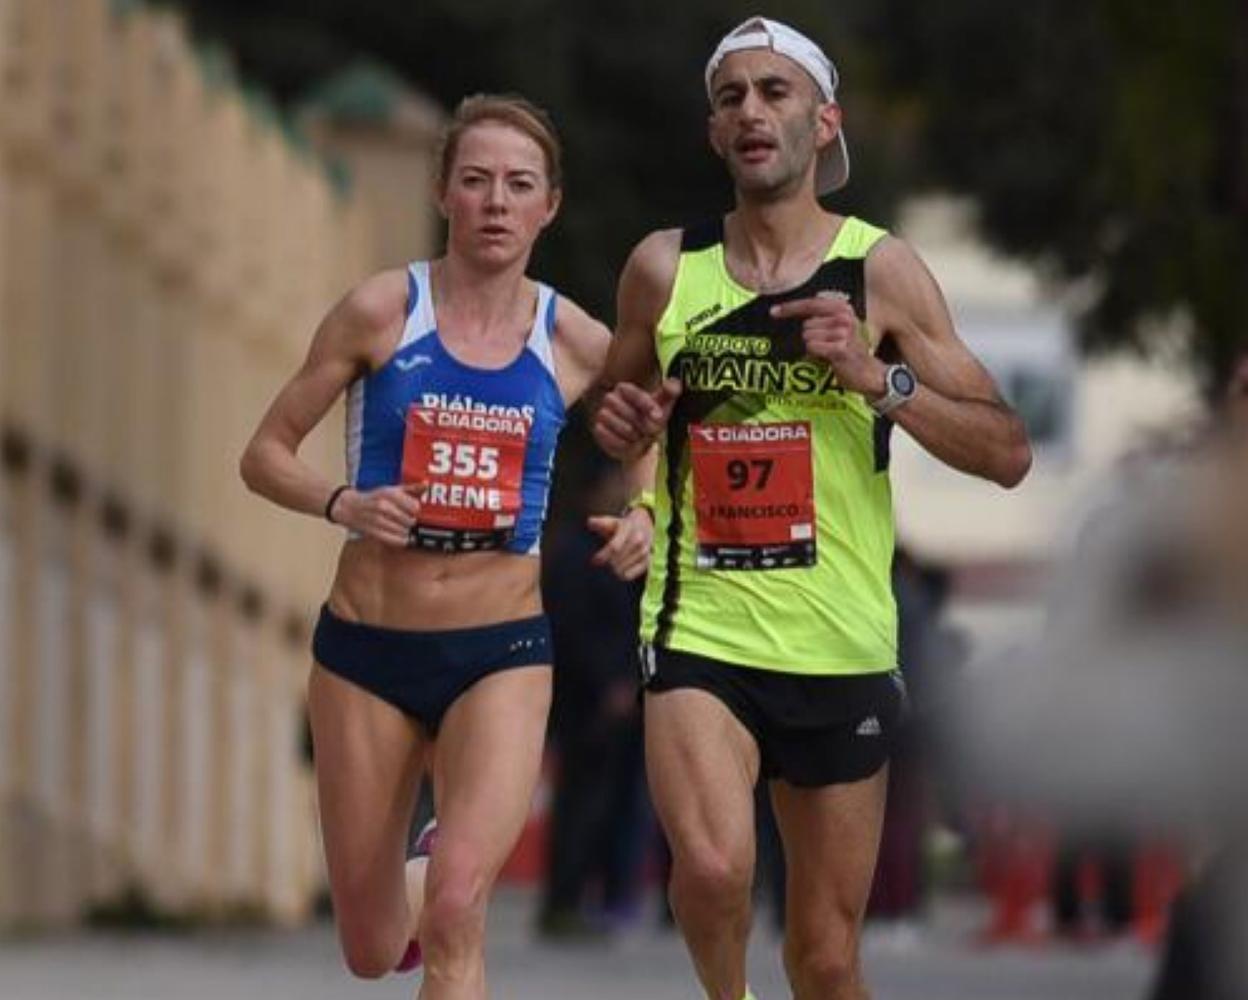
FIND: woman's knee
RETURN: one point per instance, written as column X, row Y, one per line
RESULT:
column 456, row 893
column 370, row 929
column 370, row 952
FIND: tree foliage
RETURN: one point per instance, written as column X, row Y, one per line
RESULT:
column 623, row 82
column 1105, row 140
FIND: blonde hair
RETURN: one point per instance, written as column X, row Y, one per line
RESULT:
column 507, row 109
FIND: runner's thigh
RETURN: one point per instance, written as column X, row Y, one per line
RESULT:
column 368, row 757
column 486, row 765
column 702, row 764
column 831, row 837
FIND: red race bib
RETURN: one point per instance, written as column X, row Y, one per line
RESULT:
column 472, row 464
column 753, row 495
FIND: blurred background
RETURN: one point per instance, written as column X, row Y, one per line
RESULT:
column 186, row 187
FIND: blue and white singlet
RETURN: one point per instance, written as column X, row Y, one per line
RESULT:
column 481, row 440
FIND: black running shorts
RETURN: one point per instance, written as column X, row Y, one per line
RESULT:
column 810, row 731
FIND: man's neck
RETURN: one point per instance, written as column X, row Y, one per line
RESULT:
column 772, row 246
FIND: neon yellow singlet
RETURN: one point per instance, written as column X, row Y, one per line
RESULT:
column 774, row 520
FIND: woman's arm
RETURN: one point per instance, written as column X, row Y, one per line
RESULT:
column 357, row 334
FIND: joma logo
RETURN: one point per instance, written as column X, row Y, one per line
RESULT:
column 696, row 320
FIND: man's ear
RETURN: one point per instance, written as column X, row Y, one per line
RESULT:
column 710, row 135
column 827, row 123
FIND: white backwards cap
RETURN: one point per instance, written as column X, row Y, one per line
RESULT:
column 832, row 169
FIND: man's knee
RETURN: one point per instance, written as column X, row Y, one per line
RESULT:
column 826, row 967
column 710, row 876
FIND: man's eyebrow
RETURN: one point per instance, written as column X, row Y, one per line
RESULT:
column 768, row 80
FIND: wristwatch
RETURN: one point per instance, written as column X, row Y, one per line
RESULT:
column 900, row 385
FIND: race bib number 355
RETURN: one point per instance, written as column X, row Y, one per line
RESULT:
column 473, row 466
column 753, row 495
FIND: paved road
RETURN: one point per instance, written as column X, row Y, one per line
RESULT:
column 643, row 965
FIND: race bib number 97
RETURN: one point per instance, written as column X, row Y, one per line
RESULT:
column 472, row 465
column 753, row 495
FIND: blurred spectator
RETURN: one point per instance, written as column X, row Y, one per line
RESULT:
column 1108, row 911
column 599, row 814
column 769, row 868
column 929, row 652
column 1126, row 713
column 1205, row 956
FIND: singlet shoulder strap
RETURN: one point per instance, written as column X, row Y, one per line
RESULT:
column 855, row 239
column 420, row 315
column 542, row 334
column 698, row 267
column 702, row 234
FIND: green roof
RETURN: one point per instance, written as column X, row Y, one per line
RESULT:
column 366, row 92
column 262, row 105
column 339, row 176
column 216, row 65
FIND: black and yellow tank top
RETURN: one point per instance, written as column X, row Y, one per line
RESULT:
column 774, row 520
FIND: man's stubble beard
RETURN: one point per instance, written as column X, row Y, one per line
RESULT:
column 796, row 152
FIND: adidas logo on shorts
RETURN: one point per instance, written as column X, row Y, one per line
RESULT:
column 870, row 726
column 646, row 660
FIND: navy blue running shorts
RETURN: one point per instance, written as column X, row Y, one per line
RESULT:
column 422, row 673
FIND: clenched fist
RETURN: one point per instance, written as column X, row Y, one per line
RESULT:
column 629, row 418
column 387, row 513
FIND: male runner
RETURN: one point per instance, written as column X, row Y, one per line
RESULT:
column 790, row 340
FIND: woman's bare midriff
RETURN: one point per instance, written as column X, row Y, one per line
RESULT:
column 381, row 585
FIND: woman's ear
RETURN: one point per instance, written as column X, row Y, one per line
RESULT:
column 554, row 203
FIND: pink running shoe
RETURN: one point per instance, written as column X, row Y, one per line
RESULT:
column 412, row 957
column 425, row 841
column 421, row 848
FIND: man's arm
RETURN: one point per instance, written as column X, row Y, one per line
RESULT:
column 633, row 411
column 628, row 417
column 956, row 414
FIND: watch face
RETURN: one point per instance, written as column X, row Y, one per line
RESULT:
column 902, row 382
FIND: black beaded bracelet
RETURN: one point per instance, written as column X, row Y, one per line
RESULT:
column 333, row 498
